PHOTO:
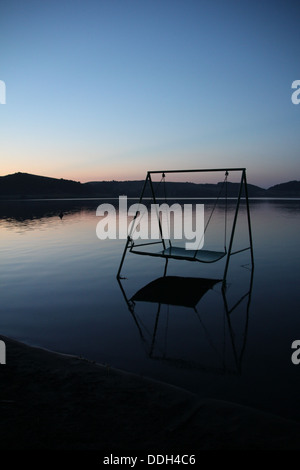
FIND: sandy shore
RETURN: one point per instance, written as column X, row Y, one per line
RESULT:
column 51, row 401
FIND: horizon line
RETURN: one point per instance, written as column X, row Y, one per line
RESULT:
column 153, row 172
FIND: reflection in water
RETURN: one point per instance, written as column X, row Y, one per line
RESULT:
column 175, row 290
column 28, row 212
column 187, row 292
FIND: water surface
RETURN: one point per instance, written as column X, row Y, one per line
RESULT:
column 59, row 291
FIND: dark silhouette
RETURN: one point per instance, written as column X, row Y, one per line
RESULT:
column 27, row 186
column 187, row 292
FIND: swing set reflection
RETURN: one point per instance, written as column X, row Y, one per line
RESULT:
column 175, row 294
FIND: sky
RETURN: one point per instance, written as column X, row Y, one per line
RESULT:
column 109, row 89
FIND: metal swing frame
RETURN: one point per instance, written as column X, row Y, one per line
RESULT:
column 206, row 256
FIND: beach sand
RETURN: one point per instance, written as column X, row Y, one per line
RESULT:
column 51, row 401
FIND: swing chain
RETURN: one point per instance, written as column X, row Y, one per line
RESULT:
column 213, row 210
column 225, row 230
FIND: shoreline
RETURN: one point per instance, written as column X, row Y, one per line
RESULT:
column 54, row 401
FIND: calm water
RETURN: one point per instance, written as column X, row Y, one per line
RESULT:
column 59, row 291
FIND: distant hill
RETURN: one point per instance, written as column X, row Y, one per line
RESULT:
column 171, row 190
column 290, row 189
column 27, row 186
column 24, row 185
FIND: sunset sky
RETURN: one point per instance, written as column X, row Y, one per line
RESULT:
column 108, row 89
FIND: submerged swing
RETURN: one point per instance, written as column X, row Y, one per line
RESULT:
column 180, row 253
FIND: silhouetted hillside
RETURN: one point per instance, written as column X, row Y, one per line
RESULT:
column 290, row 189
column 27, row 186
column 114, row 188
column 24, row 185
column 170, row 190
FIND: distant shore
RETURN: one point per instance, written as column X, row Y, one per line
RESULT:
column 51, row 401
column 27, row 186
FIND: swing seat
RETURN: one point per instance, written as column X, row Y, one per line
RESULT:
column 203, row 256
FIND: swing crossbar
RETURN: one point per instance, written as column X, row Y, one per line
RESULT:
column 203, row 170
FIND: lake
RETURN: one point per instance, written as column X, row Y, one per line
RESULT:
column 59, row 291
